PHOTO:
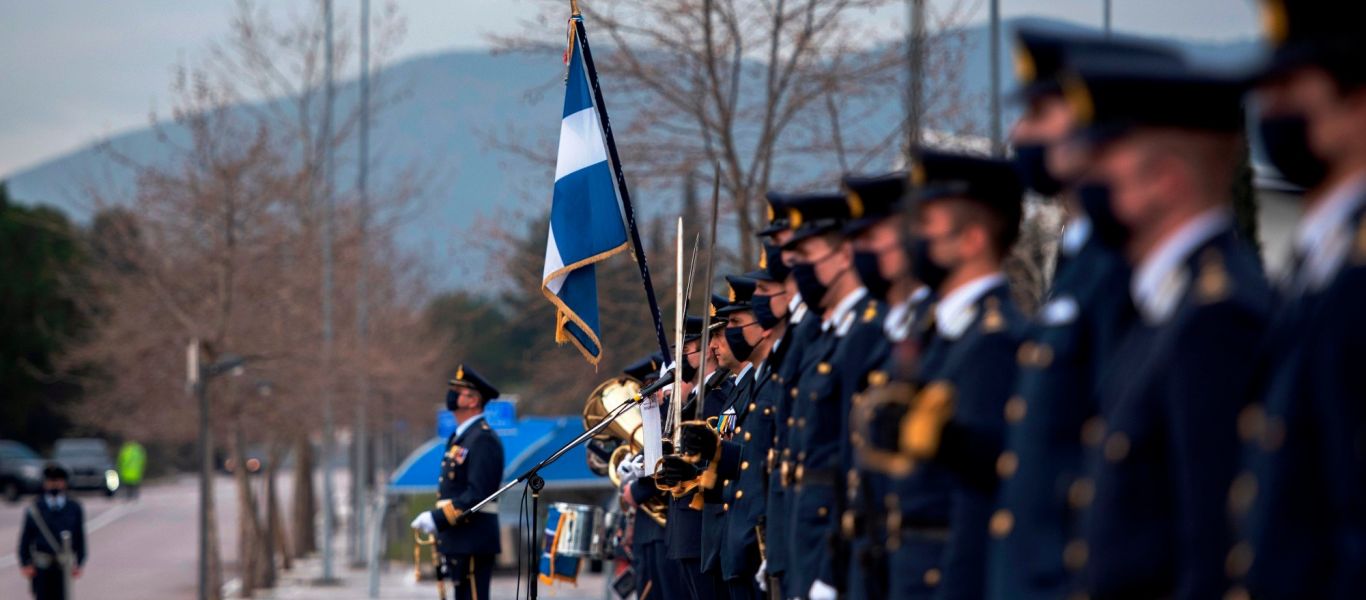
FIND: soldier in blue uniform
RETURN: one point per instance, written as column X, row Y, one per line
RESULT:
column 44, row 552
column 968, row 213
column 850, row 326
column 1163, row 449
column 654, row 572
column 471, row 469
column 878, row 206
column 1302, row 500
column 683, row 533
column 1078, row 327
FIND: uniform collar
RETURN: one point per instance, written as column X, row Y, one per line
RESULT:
column 1160, row 281
column 1323, row 236
column 797, row 308
column 900, row 315
column 1075, row 234
column 845, row 305
column 744, row 371
column 956, row 311
column 463, row 427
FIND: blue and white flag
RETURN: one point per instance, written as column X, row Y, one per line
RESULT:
column 586, row 218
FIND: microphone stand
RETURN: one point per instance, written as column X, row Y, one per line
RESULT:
column 533, row 480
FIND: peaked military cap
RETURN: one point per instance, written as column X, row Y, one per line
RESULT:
column 938, row 174
column 772, row 263
column 692, row 326
column 1110, row 96
column 467, row 377
column 644, row 368
column 1042, row 57
column 814, row 214
column 777, row 213
column 873, row 198
column 741, row 292
column 1316, row 32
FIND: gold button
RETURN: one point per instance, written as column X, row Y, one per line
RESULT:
column 1093, row 431
column 798, row 477
column 1074, row 555
column 801, row 456
column 1242, row 493
column 1025, row 356
column 1006, row 464
column 847, row 523
column 853, row 481
column 1117, row 447
column 801, row 422
column 823, row 368
column 822, row 511
column 767, row 411
column 725, row 506
column 747, row 436
column 739, row 494
column 1252, row 422
column 752, row 405
column 932, row 577
column 877, row 378
column 812, row 395
column 791, row 421
column 1239, row 560
column 1015, row 409
column 739, row 429
column 1001, row 523
column 1274, row 436
column 794, row 392
column 744, row 464
column 1081, row 493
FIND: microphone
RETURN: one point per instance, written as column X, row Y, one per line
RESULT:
column 664, row 380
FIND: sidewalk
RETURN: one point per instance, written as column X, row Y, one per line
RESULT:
column 396, row 582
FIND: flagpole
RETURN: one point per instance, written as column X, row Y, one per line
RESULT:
column 622, row 194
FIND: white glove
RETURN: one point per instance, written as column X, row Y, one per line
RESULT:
column 761, row 577
column 424, row 523
column 821, row 590
column 631, row 470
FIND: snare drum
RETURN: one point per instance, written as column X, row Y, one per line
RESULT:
column 575, row 531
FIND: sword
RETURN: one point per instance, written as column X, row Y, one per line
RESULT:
column 706, row 299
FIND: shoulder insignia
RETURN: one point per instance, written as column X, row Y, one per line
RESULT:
column 1359, row 252
column 993, row 320
column 870, row 313
column 1212, row 284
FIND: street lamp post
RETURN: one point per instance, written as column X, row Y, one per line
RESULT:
column 199, row 379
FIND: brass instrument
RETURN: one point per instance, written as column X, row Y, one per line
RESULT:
column 627, row 429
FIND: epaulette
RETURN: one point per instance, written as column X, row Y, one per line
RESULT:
column 1212, row 284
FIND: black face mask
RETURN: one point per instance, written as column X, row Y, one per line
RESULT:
column 1285, row 138
column 739, row 348
column 452, row 400
column 689, row 371
column 1031, row 162
column 924, row 268
column 810, row 286
column 1095, row 200
column 763, row 311
column 866, row 264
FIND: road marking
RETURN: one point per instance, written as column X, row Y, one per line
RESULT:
column 99, row 522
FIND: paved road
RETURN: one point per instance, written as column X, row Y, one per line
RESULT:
column 142, row 550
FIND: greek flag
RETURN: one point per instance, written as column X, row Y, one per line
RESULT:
column 586, row 216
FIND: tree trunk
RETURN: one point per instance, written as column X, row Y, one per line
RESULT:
column 215, row 574
column 248, row 522
column 305, row 540
column 276, row 543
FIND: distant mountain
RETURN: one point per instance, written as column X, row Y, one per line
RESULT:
column 454, row 102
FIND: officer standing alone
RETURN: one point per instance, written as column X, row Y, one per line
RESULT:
column 471, row 469
column 52, row 544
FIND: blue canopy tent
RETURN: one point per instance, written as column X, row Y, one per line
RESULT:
column 526, row 441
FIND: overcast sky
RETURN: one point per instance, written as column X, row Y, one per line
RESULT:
column 75, row 71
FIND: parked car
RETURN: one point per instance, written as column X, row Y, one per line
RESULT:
column 89, row 464
column 21, row 470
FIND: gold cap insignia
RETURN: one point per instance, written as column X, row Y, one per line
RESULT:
column 1079, row 99
column 1025, row 70
column 763, row 258
column 1275, row 21
column 460, row 372
column 855, row 204
column 794, row 218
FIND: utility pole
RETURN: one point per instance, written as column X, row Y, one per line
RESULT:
column 915, row 65
column 196, row 381
column 362, row 301
column 329, row 95
column 1107, row 17
column 997, row 139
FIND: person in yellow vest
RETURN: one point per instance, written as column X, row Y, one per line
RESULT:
column 132, row 462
